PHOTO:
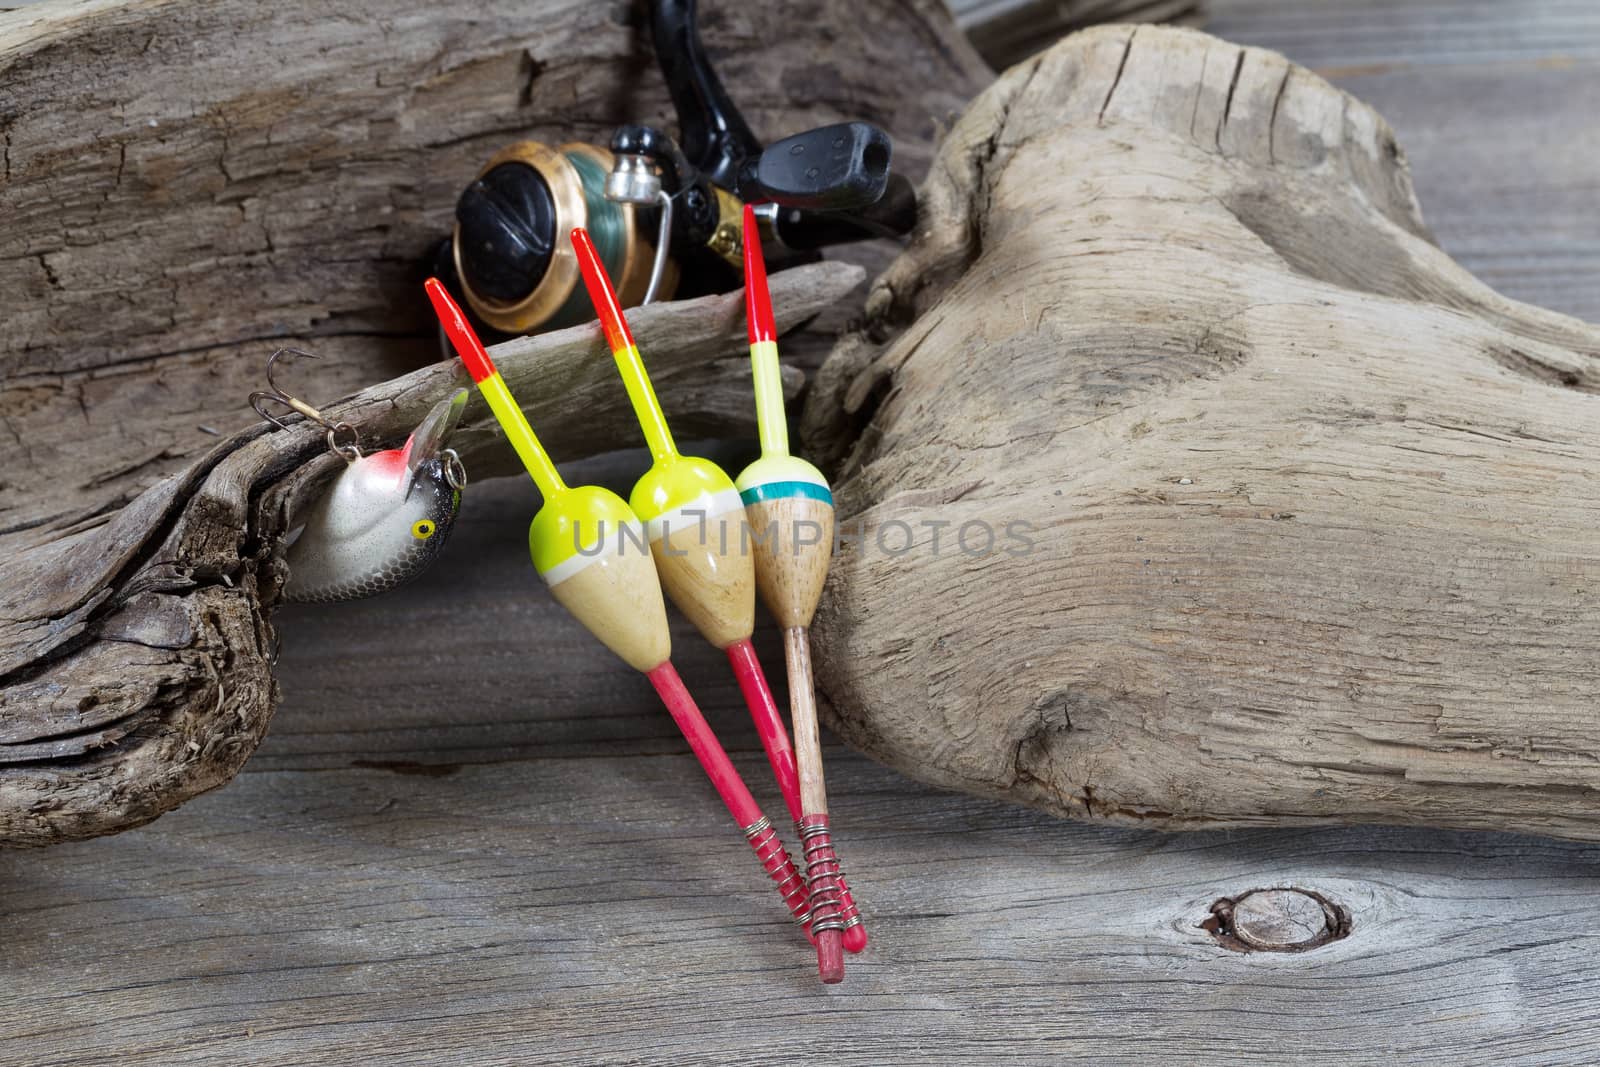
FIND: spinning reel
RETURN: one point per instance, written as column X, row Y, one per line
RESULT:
column 665, row 216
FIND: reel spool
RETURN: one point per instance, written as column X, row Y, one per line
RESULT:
column 511, row 246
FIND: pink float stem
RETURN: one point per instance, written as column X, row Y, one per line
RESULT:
column 775, row 859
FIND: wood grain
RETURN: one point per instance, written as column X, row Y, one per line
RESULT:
column 485, row 930
column 1008, row 31
column 1278, row 514
column 495, row 866
column 137, row 653
column 415, row 878
column 707, row 573
column 617, row 598
column 381, row 882
column 1494, row 106
column 792, row 542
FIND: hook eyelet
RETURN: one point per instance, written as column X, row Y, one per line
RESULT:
column 349, row 449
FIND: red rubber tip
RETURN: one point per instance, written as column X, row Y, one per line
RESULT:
column 830, row 957
column 855, row 939
column 601, row 293
column 460, row 331
column 757, row 298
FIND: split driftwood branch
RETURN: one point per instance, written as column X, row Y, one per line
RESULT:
column 1314, row 515
column 136, row 650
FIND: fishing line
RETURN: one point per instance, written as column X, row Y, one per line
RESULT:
column 608, row 226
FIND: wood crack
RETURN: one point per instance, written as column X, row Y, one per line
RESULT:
column 1272, row 120
column 1122, row 65
column 1227, row 103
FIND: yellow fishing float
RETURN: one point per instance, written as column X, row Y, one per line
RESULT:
column 695, row 519
column 590, row 549
column 790, row 511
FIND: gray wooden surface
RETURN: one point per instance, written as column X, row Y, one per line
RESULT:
column 471, row 837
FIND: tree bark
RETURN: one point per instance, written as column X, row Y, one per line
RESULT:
column 1314, row 520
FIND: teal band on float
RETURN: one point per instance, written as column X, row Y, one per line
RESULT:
column 784, row 490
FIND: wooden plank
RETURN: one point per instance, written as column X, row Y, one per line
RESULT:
column 427, row 865
column 534, row 912
column 1008, row 31
column 1416, row 33
column 477, row 663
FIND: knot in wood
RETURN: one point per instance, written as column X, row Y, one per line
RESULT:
column 1277, row 920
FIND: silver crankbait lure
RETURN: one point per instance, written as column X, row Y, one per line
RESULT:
column 388, row 513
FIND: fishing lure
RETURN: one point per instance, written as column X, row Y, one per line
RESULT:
column 388, row 514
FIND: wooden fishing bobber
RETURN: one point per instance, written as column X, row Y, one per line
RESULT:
column 590, row 549
column 790, row 510
column 696, row 522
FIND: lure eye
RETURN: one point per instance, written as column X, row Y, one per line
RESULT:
column 422, row 529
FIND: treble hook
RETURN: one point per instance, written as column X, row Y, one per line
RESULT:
column 349, row 451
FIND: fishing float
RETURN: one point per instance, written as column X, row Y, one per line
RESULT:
column 588, row 546
column 695, row 520
column 789, row 505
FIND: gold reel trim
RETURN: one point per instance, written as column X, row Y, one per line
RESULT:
column 566, row 191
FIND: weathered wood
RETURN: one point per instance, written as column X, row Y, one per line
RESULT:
column 473, row 868
column 1494, row 104
column 1313, row 526
column 136, row 655
column 315, row 911
column 1007, row 31
column 185, row 183
column 518, row 913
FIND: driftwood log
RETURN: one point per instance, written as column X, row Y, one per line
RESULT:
column 186, row 186
column 1315, row 515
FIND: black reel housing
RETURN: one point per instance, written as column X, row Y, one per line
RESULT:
column 829, row 185
column 507, row 220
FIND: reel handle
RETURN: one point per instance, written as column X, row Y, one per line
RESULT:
column 843, row 167
column 894, row 215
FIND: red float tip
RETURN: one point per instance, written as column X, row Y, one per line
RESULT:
column 830, row 957
column 757, row 299
column 601, row 293
column 855, row 939
column 456, row 327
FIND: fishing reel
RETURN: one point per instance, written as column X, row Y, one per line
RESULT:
column 665, row 215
